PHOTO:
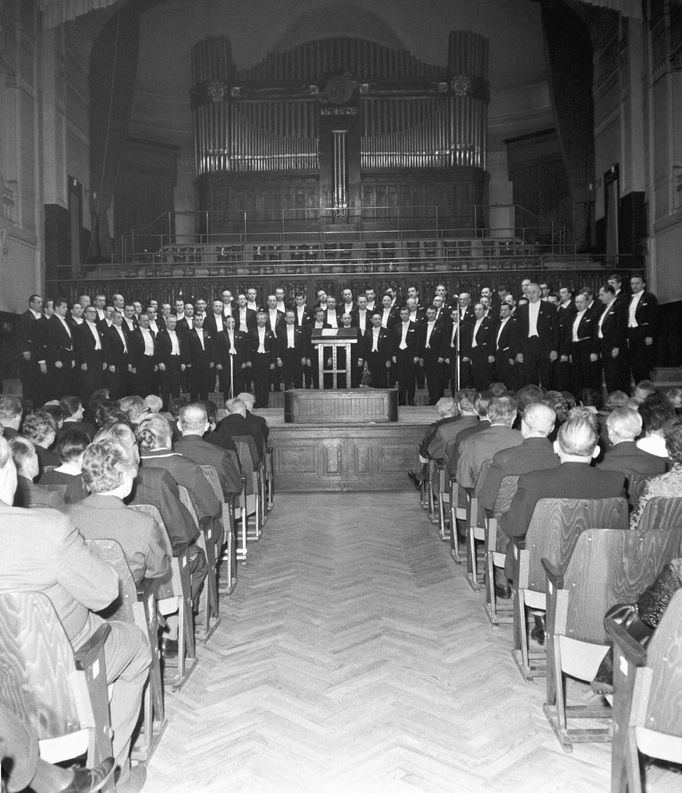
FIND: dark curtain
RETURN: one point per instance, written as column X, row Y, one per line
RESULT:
column 113, row 68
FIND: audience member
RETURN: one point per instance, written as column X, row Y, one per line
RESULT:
column 655, row 410
column 29, row 495
column 78, row 585
column 624, row 425
column 41, row 429
column 11, row 412
column 70, row 448
column 109, row 471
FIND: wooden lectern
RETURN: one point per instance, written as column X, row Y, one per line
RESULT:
column 333, row 339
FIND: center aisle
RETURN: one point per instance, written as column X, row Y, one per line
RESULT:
column 354, row 657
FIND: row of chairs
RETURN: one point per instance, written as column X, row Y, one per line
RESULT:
column 577, row 560
column 62, row 693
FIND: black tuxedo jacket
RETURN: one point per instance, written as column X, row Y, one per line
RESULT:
column 164, row 347
column 547, row 326
column 485, row 338
column 614, row 326
column 196, row 354
column 136, row 346
column 279, row 321
column 59, row 345
column 211, row 325
column 355, row 319
column 437, row 340
column 646, row 314
column 250, row 318
column 118, row 356
column 84, row 346
column 411, row 340
column 252, row 343
column 384, row 345
column 31, row 335
column 509, row 343
column 300, row 341
column 587, row 332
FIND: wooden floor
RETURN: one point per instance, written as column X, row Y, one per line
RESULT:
column 354, row 657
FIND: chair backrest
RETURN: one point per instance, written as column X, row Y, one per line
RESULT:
column 37, row 662
column 150, row 509
column 556, row 525
column 187, row 502
column 481, row 477
column 601, row 572
column 111, row 553
column 664, row 713
column 635, row 485
column 505, row 495
column 250, row 461
column 661, row 514
column 211, row 474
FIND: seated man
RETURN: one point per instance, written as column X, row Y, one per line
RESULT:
column 447, row 411
column 624, row 425
column 234, row 425
column 43, row 552
column 576, row 446
column 483, row 445
column 109, row 471
column 534, row 454
column 447, row 431
column 29, row 495
column 253, row 420
column 193, row 423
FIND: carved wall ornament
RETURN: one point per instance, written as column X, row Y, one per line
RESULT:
column 216, row 91
column 461, row 85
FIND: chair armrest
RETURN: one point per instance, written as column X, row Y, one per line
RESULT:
column 635, row 654
column 90, row 649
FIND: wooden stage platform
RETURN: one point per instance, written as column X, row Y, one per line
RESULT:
column 346, row 457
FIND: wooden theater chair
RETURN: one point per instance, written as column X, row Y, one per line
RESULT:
column 137, row 608
column 180, row 603
column 495, row 559
column 647, row 699
column 606, row 567
column 59, row 692
column 227, row 550
column 554, row 529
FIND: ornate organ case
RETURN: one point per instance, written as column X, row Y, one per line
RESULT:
column 339, row 133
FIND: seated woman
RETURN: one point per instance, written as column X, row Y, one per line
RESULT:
column 668, row 485
column 109, row 470
column 70, row 448
column 73, row 409
column 655, row 411
column 26, row 461
column 41, row 429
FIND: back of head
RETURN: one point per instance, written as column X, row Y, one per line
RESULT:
column 235, row 406
column 193, row 419
column 590, row 397
column 538, row 420
column 656, row 410
column 23, row 453
column 557, row 402
column 121, row 432
column 176, row 405
column 153, row 403
column 134, row 407
column 71, row 445
column 577, row 437
column 108, row 411
column 55, row 410
column 154, row 432
column 527, row 395
column 616, row 399
column 70, row 405
column 672, row 433
column 497, row 389
column 673, row 394
column 39, row 427
column 467, row 399
column 105, row 465
column 446, row 407
column 248, row 399
column 211, row 410
column 643, row 389
column 10, row 410
column 482, row 402
column 587, row 413
column 624, row 424
column 502, row 411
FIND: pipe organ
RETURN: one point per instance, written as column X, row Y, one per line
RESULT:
column 340, row 130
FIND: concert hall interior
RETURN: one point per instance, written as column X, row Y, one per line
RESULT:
column 309, row 234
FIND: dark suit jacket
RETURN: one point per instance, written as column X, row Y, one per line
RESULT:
column 31, row 333
column 164, row 346
column 225, row 461
column 547, row 326
column 629, row 459
column 44, row 552
column 300, row 341
column 59, row 345
column 485, row 338
column 411, row 340
column 437, row 341
column 482, row 446
column 270, row 344
column 533, row 454
column 235, row 425
column 157, row 487
column 647, row 314
column 569, row 480
column 614, row 327
column 250, row 318
column 384, row 345
column 307, row 316
column 186, row 473
column 136, row 346
column 84, row 346
column 279, row 321
column 198, row 355
column 117, row 355
column 258, row 423
column 509, row 343
column 30, row 495
column 139, row 535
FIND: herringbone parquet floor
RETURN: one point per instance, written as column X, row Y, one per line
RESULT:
column 354, row 657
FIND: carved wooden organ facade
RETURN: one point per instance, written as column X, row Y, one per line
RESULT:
column 340, row 132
